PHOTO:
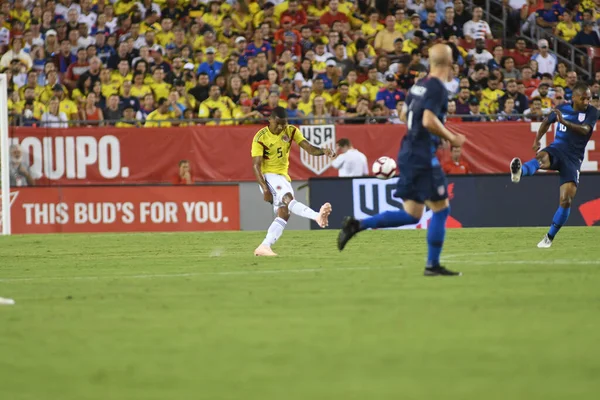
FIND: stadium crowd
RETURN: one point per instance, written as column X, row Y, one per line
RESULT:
column 168, row 62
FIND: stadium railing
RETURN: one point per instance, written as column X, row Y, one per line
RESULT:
column 259, row 121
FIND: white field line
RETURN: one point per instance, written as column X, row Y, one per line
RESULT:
column 190, row 274
column 285, row 271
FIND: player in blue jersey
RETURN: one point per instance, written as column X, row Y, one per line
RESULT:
column 422, row 181
column 575, row 126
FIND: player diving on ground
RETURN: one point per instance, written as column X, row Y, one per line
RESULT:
column 270, row 162
column 575, row 127
column 422, row 181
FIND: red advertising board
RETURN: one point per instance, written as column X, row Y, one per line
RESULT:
column 125, row 209
column 150, row 155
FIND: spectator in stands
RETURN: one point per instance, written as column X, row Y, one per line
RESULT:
column 534, row 69
column 216, row 101
column 474, row 114
column 161, row 117
column 16, row 52
column 333, row 15
column 462, row 101
column 20, row 171
column 113, row 112
column 461, row 15
column 477, row 28
column 595, row 102
column 479, row 76
column 90, row 113
column 529, row 81
column 184, row 174
column 536, row 113
column 496, row 61
column 76, row 69
column 521, row 102
column 456, row 165
column 567, row 29
column 544, row 93
column 295, row 116
column 559, row 97
column 571, row 82
column 305, row 102
column 520, row 54
column 372, row 26
column 319, row 115
column 384, row 40
column 343, row 63
column 480, row 53
column 128, row 120
column 146, row 107
column 391, row 95
column 414, row 43
column 490, row 96
column 508, row 113
column 586, row 37
column 451, row 115
column 508, row 69
column 211, row 67
column 66, row 105
column 350, row 162
column 547, row 17
column 431, row 25
column 449, row 27
column 53, row 117
column 560, row 79
column 27, row 118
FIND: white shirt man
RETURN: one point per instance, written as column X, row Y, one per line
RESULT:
column 477, row 28
column 546, row 60
column 351, row 163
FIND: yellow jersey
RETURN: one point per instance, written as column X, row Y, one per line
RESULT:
column 275, row 149
column 350, row 102
column 489, row 100
column 118, row 79
column 164, row 38
column 38, row 108
column 568, row 33
column 109, row 89
column 122, row 124
column 69, row 107
column 157, row 120
column 160, row 90
column 141, row 91
column 224, row 104
column 370, row 30
column 325, row 95
column 306, row 108
column 373, row 89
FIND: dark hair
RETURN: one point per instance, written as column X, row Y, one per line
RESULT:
column 344, row 142
column 161, row 101
column 183, row 162
column 580, row 87
column 310, row 73
column 279, row 112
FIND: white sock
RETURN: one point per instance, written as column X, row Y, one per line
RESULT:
column 302, row 210
column 275, row 231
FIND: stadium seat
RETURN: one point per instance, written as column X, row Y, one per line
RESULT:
column 594, row 55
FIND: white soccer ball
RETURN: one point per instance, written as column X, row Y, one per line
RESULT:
column 384, row 168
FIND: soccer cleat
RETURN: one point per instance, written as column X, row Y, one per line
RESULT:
column 545, row 243
column 323, row 217
column 516, row 170
column 350, row 227
column 440, row 271
column 265, row 251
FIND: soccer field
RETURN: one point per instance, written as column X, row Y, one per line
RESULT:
column 196, row 316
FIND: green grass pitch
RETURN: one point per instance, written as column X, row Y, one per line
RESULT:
column 196, row 316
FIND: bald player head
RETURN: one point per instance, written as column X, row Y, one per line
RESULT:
column 440, row 56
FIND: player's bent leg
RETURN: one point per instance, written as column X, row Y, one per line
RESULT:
column 390, row 219
column 567, row 194
column 517, row 170
column 436, row 232
column 302, row 210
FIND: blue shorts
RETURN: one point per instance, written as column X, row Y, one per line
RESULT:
column 422, row 184
column 568, row 167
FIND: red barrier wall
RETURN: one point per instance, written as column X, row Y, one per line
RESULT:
column 125, row 209
column 150, row 155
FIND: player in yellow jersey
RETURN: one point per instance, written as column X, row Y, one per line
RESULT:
column 270, row 162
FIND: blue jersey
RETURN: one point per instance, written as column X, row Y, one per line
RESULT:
column 419, row 145
column 571, row 143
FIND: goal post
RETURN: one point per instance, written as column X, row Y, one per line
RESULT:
column 4, row 156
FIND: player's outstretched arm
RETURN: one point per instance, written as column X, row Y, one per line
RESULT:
column 433, row 124
column 316, row 151
column 257, row 168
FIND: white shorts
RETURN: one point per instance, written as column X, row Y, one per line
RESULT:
column 279, row 186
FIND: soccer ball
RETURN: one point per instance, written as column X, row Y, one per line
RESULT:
column 384, row 168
